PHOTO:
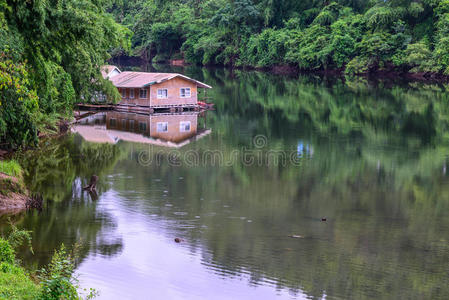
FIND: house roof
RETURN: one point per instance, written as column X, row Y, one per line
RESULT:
column 144, row 79
column 107, row 69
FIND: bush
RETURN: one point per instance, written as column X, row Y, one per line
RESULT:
column 11, row 168
column 15, row 283
column 57, row 280
column 265, row 49
column 18, row 104
column 419, row 57
column 6, row 252
column 359, row 65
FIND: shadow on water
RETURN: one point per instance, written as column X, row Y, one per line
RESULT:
column 280, row 154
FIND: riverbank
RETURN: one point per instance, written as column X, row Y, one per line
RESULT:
column 15, row 282
column 389, row 72
column 13, row 193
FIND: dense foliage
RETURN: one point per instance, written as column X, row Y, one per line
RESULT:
column 50, row 54
column 405, row 35
column 57, row 281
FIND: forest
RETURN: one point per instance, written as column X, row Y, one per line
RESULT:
column 354, row 36
column 51, row 51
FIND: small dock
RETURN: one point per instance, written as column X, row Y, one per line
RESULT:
column 142, row 109
column 157, row 109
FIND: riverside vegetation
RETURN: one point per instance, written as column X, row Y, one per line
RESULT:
column 54, row 282
column 50, row 53
column 358, row 36
column 51, row 50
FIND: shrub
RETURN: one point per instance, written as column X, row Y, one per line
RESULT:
column 6, row 252
column 57, row 280
column 18, row 104
column 359, row 65
column 418, row 56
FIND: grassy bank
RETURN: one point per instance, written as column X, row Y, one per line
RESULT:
column 15, row 282
column 13, row 193
column 54, row 282
column 11, row 168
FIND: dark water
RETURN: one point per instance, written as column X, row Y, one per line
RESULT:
column 275, row 157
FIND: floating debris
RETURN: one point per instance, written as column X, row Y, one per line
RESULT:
column 179, row 240
column 294, row 236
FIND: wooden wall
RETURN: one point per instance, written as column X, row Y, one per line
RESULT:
column 136, row 100
column 173, row 86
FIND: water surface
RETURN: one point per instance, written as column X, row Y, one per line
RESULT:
column 275, row 157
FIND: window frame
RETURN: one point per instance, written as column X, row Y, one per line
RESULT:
column 141, row 125
column 123, row 93
column 185, row 89
column 160, row 96
column 183, row 124
column 131, row 94
column 140, row 94
column 160, row 123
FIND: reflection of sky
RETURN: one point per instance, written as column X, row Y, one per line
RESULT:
column 153, row 266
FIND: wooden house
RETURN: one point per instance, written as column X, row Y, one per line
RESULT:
column 155, row 90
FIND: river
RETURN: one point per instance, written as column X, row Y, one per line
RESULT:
column 296, row 187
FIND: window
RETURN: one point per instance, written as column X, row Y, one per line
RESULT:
column 143, row 93
column 112, row 123
column 185, row 92
column 123, row 123
column 123, row 93
column 162, row 93
column 142, row 126
column 131, row 124
column 162, row 127
column 184, row 126
column 131, row 93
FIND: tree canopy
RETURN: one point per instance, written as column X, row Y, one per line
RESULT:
column 50, row 57
column 360, row 36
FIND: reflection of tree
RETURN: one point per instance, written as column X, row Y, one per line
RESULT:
column 376, row 173
column 53, row 168
column 59, row 169
column 76, row 219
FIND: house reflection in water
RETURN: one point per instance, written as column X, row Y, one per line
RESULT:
column 168, row 130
